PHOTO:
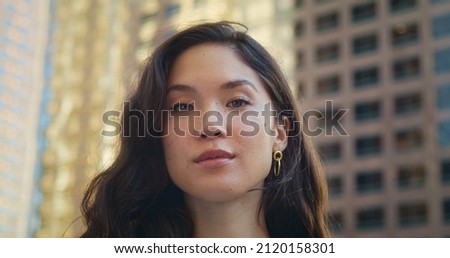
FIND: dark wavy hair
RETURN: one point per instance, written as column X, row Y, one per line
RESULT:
column 135, row 196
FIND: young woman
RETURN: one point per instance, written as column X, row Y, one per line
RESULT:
column 211, row 146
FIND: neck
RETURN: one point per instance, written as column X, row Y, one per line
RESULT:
column 241, row 217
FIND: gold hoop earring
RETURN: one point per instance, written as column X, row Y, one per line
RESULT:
column 277, row 156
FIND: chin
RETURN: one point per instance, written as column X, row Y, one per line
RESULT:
column 216, row 194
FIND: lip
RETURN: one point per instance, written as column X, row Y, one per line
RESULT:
column 214, row 158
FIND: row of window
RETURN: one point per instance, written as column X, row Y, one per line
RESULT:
column 365, row 77
column 372, row 145
column 405, row 139
column 411, row 176
column 409, row 214
column 401, row 35
column 408, row 103
column 402, row 69
column 361, row 12
column 404, row 104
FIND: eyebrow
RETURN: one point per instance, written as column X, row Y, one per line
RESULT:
column 226, row 86
column 236, row 83
column 180, row 87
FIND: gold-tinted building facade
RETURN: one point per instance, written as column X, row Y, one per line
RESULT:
column 88, row 61
column 98, row 47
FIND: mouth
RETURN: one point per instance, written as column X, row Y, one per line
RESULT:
column 214, row 158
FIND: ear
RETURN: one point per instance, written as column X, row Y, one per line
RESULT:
column 281, row 140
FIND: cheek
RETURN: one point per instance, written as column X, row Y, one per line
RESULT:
column 256, row 138
column 173, row 143
column 254, row 127
column 248, row 124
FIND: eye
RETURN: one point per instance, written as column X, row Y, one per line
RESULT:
column 238, row 102
column 183, row 107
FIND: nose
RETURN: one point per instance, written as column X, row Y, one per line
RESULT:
column 213, row 125
column 214, row 134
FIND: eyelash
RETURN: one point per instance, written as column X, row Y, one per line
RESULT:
column 186, row 107
column 243, row 101
column 183, row 107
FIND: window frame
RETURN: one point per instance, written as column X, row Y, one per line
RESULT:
column 363, row 6
column 374, row 114
column 375, row 143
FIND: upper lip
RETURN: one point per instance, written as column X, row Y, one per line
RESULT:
column 213, row 154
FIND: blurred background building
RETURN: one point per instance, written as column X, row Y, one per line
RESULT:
column 23, row 83
column 64, row 63
column 387, row 63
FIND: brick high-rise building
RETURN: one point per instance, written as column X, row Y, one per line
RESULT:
column 388, row 63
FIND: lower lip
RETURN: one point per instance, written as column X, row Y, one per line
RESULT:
column 214, row 163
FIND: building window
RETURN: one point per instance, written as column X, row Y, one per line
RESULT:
column 335, row 185
column 412, row 214
column 366, row 111
column 330, row 151
column 299, row 59
column 442, row 61
column 364, row 11
column 443, row 95
column 370, row 218
column 408, row 139
column 445, row 171
column 446, row 210
column 411, row 176
column 365, row 44
column 369, row 181
column 299, row 29
column 408, row 103
column 402, row 34
column 402, row 5
column 368, row 145
column 327, row 22
column 406, row 68
column 327, row 53
column 327, row 85
column 365, row 77
column 444, row 133
column 336, row 221
column 441, row 26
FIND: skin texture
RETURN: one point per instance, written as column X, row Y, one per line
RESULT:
column 223, row 194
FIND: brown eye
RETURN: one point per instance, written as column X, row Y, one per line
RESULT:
column 239, row 102
column 183, row 107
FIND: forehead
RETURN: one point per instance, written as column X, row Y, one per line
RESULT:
column 210, row 61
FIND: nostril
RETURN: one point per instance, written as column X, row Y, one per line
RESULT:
column 211, row 134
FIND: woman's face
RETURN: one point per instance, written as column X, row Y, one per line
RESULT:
column 219, row 142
